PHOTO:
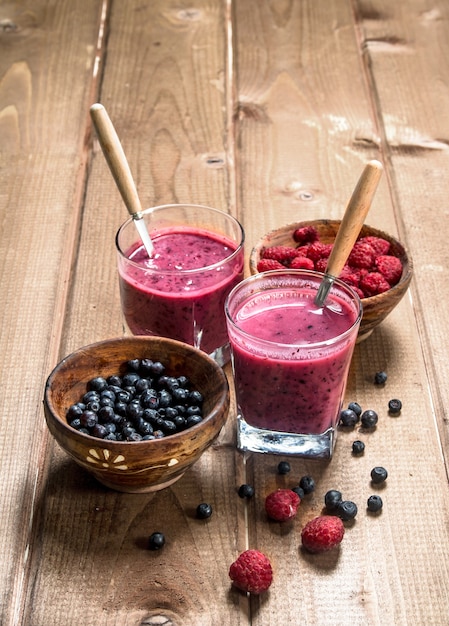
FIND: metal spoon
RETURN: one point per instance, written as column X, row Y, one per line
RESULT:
column 350, row 226
column 118, row 164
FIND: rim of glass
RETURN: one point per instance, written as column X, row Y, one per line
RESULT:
column 294, row 272
column 154, row 209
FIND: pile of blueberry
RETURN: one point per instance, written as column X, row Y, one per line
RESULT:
column 140, row 404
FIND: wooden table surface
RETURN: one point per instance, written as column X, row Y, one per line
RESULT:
column 268, row 109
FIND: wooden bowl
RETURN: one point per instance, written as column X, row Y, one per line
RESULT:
column 376, row 308
column 137, row 466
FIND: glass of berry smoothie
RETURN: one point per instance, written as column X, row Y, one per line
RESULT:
column 290, row 360
column 180, row 292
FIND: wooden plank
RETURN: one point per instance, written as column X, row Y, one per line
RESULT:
column 407, row 50
column 45, row 81
column 93, row 541
column 307, row 123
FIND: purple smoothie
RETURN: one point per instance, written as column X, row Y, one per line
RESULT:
column 180, row 292
column 286, row 379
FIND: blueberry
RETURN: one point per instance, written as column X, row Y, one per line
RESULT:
column 283, row 467
column 99, row 431
column 246, row 491
column 358, row 447
column 355, row 406
column 203, row 510
column 380, row 378
column 88, row 419
column 374, row 504
column 97, row 384
column 193, row 420
column 369, row 418
column 180, row 395
column 195, row 397
column 348, row 418
column 307, row 484
column 156, row 541
column 332, row 499
column 379, row 475
column 75, row 411
column 299, row 491
column 394, row 406
column 347, row 510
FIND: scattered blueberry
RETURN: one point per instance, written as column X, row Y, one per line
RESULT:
column 355, row 406
column 369, row 418
column 307, row 484
column 379, row 475
column 380, row 378
column 299, row 491
column 203, row 510
column 374, row 504
column 283, row 467
column 394, row 406
column 246, row 491
column 358, row 447
column 348, row 418
column 156, row 541
column 347, row 510
column 332, row 499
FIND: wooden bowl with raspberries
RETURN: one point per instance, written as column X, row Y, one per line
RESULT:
column 136, row 412
column 379, row 268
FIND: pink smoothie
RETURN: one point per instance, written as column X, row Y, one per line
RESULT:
column 292, row 385
column 180, row 292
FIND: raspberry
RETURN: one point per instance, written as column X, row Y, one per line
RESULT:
column 302, row 263
column 322, row 533
column 318, row 250
column 282, row 504
column 362, row 255
column 264, row 265
column 279, row 253
column 251, row 572
column 380, row 246
column 373, row 284
column 306, row 234
column 390, row 267
column 350, row 276
column 321, row 265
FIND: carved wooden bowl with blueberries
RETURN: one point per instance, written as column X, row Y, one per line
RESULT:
column 167, row 403
column 379, row 268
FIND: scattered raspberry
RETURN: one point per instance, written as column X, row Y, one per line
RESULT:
column 251, row 572
column 380, row 246
column 373, row 284
column 279, row 253
column 390, row 267
column 282, row 504
column 264, row 265
column 302, row 263
column 362, row 255
column 306, row 234
column 322, row 533
column 318, row 250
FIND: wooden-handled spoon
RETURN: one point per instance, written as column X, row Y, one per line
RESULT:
column 118, row 164
column 350, row 226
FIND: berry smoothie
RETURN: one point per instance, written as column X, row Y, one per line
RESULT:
column 291, row 358
column 180, row 292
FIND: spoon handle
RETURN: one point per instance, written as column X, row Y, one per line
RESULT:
column 116, row 159
column 352, row 222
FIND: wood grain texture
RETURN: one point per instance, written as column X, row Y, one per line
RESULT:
column 45, row 79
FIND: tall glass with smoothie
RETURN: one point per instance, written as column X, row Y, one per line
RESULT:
column 180, row 291
column 291, row 360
